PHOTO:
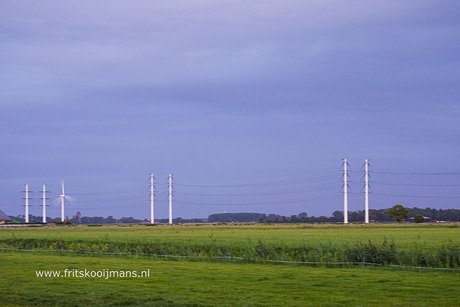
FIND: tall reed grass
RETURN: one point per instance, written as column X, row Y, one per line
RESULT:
column 445, row 255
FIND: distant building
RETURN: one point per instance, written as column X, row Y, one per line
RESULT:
column 78, row 217
column 4, row 218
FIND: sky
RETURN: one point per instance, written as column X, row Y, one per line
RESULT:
column 251, row 105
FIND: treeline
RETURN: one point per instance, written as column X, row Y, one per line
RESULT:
column 235, row 217
column 128, row 220
column 274, row 218
column 95, row 220
column 378, row 215
column 437, row 215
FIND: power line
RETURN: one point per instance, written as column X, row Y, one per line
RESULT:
column 296, row 200
column 320, row 188
column 131, row 189
column 410, row 173
column 111, row 207
column 298, row 180
column 417, row 196
column 416, row 184
column 112, row 200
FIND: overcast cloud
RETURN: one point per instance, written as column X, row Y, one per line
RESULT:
column 103, row 93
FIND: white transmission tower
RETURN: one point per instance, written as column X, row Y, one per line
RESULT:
column 170, row 198
column 345, row 191
column 366, row 191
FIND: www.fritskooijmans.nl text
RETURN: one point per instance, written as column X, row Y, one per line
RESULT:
column 105, row 273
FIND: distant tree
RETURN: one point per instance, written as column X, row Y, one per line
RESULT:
column 110, row 219
column 263, row 218
column 379, row 215
column 92, row 220
column 419, row 218
column 356, row 216
column 273, row 218
column 337, row 216
column 398, row 213
column 294, row 219
column 451, row 215
column 128, row 220
column 234, row 217
column 434, row 214
column 302, row 215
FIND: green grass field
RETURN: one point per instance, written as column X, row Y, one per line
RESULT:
column 404, row 235
column 216, row 282
column 408, row 245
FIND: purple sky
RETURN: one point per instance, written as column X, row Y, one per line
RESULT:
column 264, row 99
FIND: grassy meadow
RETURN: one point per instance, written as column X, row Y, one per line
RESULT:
column 403, row 235
column 185, row 283
column 406, row 245
column 252, row 281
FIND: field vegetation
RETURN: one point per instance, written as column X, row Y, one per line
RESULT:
column 252, row 281
column 406, row 245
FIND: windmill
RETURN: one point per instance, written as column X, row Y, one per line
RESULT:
column 64, row 197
